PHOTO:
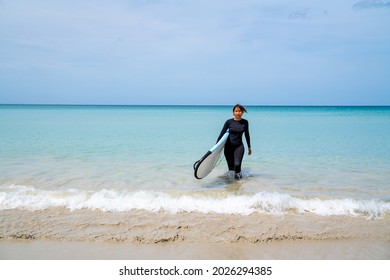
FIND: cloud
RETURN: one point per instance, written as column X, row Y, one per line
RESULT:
column 308, row 13
column 368, row 4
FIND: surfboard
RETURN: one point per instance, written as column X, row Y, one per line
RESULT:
column 206, row 164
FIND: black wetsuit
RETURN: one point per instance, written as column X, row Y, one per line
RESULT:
column 234, row 148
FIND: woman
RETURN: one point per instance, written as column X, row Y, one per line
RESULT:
column 234, row 147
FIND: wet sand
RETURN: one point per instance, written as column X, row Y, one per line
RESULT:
column 280, row 250
column 58, row 233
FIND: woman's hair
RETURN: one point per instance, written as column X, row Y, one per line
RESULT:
column 242, row 108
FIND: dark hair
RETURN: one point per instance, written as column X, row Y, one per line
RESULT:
column 242, row 108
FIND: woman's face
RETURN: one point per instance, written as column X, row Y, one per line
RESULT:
column 237, row 113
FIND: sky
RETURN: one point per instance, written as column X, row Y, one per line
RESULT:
column 195, row 52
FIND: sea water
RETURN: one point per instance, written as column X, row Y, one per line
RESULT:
column 319, row 160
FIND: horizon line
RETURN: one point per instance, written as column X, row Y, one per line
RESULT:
column 186, row 105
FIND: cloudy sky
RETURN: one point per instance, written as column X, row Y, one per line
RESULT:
column 256, row 52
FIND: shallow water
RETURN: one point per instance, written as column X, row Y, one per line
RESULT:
column 322, row 160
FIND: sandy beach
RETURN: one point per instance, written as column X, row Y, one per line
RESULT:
column 62, row 234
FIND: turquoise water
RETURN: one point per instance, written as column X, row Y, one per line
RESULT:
column 323, row 160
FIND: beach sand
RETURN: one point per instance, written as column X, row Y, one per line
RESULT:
column 58, row 233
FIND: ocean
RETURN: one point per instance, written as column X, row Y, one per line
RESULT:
column 322, row 161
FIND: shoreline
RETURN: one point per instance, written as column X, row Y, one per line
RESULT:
column 57, row 233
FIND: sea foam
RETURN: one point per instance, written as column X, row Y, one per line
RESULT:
column 275, row 203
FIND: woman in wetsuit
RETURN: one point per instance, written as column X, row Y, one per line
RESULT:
column 234, row 147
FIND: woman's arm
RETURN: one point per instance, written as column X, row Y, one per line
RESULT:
column 224, row 129
column 248, row 138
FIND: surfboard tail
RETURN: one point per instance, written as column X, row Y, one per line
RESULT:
column 197, row 163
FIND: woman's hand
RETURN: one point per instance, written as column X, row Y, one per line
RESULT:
column 249, row 151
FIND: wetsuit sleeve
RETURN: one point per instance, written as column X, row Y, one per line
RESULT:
column 247, row 136
column 224, row 129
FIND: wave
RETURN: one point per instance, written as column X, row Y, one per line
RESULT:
column 30, row 198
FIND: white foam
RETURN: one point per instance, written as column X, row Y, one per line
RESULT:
column 30, row 198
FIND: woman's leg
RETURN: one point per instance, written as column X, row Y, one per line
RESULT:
column 238, row 156
column 229, row 156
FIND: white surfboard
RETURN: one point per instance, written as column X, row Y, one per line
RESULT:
column 207, row 163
